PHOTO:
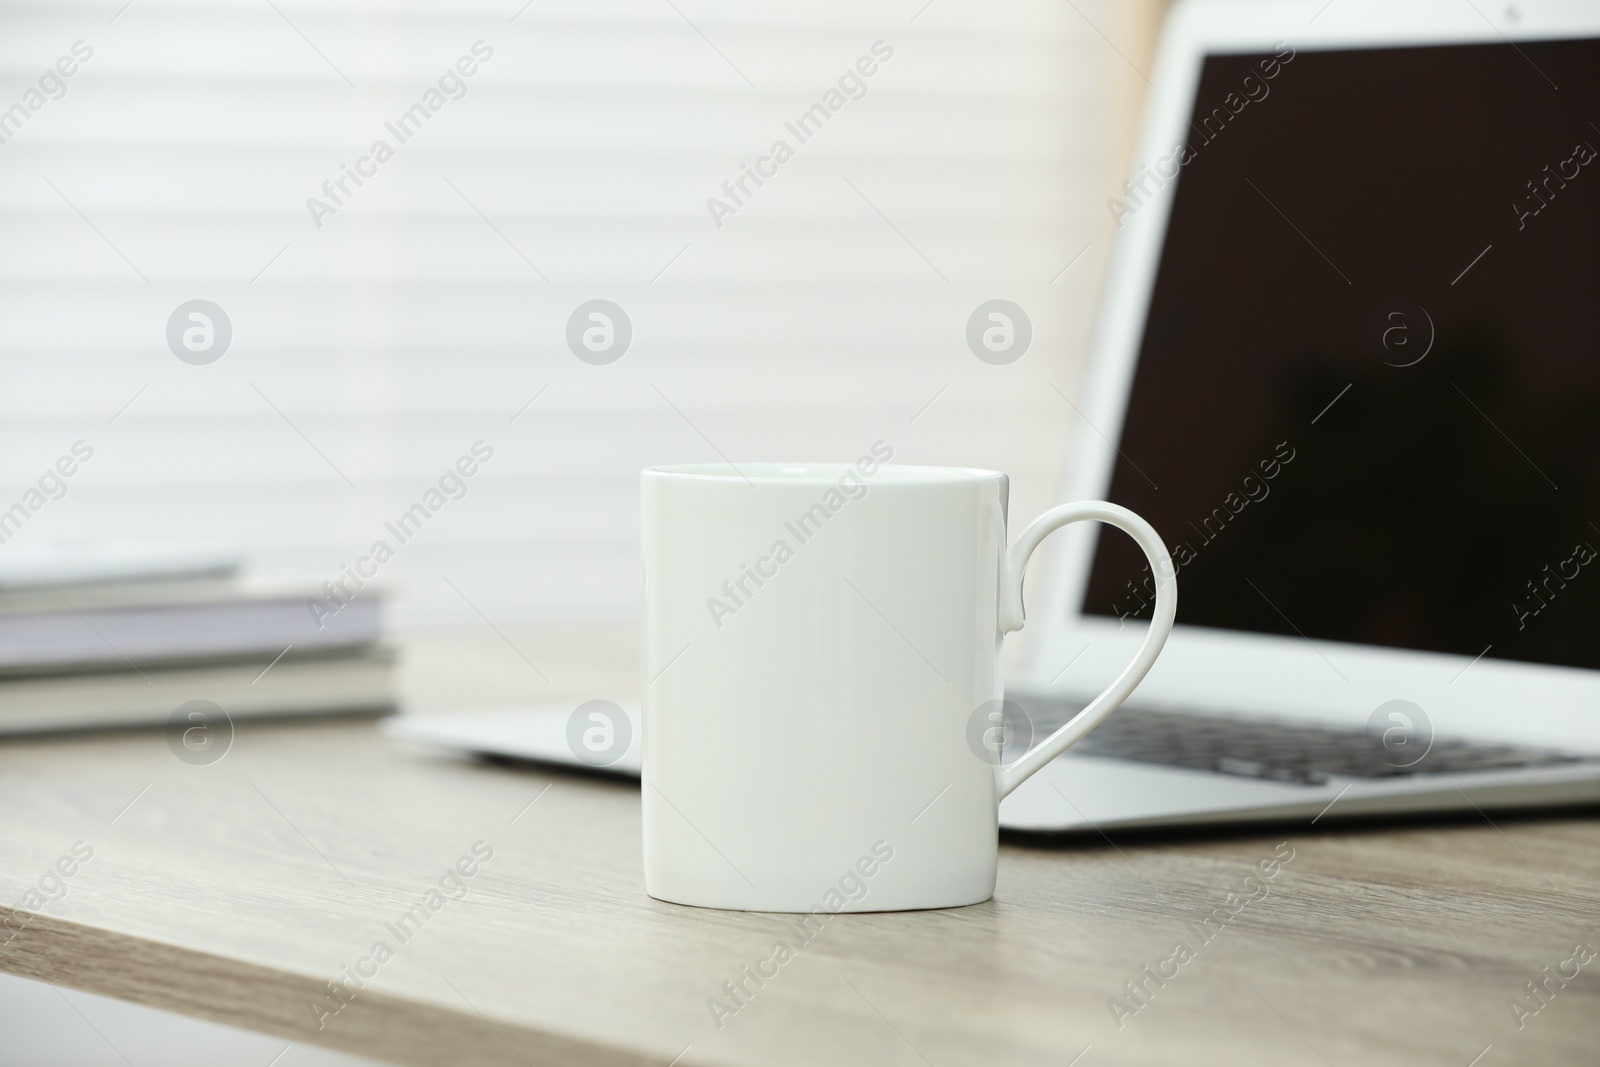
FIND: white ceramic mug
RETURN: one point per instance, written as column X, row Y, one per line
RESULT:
column 818, row 640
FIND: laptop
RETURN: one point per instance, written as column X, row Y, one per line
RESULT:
column 1345, row 364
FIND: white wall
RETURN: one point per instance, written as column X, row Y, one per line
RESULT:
column 824, row 315
column 48, row 1025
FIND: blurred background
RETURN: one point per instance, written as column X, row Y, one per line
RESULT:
column 372, row 345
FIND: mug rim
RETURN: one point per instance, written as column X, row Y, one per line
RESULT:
column 806, row 473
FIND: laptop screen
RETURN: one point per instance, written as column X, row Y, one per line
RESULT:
column 1367, row 400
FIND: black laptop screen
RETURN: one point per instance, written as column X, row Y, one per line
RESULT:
column 1367, row 400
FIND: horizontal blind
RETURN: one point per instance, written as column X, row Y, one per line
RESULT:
column 376, row 338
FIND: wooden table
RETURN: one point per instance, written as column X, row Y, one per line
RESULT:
column 237, row 891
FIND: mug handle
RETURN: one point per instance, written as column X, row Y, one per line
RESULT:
column 1011, row 618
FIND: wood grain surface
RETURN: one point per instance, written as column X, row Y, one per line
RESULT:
column 236, row 891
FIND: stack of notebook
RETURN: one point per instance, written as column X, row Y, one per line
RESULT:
column 120, row 637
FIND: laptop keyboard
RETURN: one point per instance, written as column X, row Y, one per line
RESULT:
column 1278, row 751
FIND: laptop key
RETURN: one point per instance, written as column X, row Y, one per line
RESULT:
column 1281, row 772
